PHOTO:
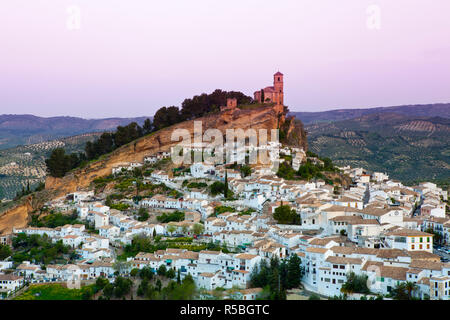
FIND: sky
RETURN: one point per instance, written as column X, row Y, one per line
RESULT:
column 117, row 58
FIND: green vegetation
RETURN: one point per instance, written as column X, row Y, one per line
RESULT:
column 54, row 292
column 197, row 185
column 59, row 163
column 174, row 216
column 120, row 206
column 54, row 220
column 143, row 214
column 247, row 212
column 5, row 251
column 175, row 290
column 40, row 249
column 222, row 209
column 285, row 215
column 275, row 278
column 118, row 289
column 217, row 188
column 246, row 171
column 404, row 291
column 307, row 171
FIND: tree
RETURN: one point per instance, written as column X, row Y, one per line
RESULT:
column 294, row 271
column 108, row 290
column 134, row 272
column 122, row 286
column 146, row 273
column 59, row 163
column 197, row 228
column 162, row 270
column 179, row 276
column 410, row 287
column 101, row 282
column 143, row 214
column 171, row 228
column 170, row 273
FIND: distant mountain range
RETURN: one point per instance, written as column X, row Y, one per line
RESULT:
column 408, row 147
column 429, row 110
column 28, row 129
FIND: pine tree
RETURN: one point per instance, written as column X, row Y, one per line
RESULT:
column 147, row 127
column 294, row 271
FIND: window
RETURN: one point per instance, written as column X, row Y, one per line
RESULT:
column 421, row 239
column 420, row 247
column 412, row 247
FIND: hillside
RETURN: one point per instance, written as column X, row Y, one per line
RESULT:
column 408, row 148
column 28, row 129
column 429, row 110
column 82, row 178
column 24, row 164
column 259, row 118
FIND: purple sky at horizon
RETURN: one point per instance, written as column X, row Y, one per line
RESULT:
column 129, row 60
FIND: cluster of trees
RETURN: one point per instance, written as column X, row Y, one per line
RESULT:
column 59, row 163
column 118, row 289
column 205, row 103
column 285, row 215
column 275, row 278
column 175, row 290
column 168, row 217
column 196, row 107
column 38, row 248
column 222, row 209
column 355, row 284
column 5, row 251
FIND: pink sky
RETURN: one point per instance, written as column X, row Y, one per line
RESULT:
column 131, row 57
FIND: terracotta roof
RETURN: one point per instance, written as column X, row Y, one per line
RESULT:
column 342, row 260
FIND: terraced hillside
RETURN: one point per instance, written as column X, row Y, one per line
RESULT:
column 408, row 148
column 421, row 110
column 25, row 164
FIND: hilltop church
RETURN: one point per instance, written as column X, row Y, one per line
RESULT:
column 273, row 94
